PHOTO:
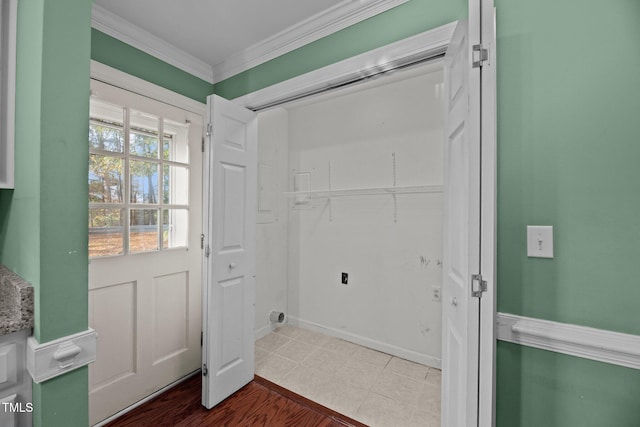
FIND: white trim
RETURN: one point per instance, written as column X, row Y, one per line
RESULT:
column 121, row 29
column 489, row 159
column 596, row 344
column 327, row 22
column 414, row 356
column 146, row 399
column 8, row 26
column 435, row 40
column 125, row 81
column 57, row 357
column 265, row 330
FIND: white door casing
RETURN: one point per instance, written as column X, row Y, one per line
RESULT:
column 229, row 295
column 488, row 142
column 145, row 307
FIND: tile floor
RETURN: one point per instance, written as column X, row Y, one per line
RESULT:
column 372, row 387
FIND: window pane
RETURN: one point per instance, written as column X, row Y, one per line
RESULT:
column 144, row 182
column 106, row 232
column 143, row 137
column 106, row 184
column 106, row 127
column 175, row 228
column 175, row 185
column 176, row 142
column 143, row 230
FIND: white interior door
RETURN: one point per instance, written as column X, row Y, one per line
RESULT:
column 145, row 221
column 461, row 248
column 229, row 296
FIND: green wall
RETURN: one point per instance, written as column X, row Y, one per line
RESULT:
column 568, row 101
column 116, row 54
column 569, row 97
column 43, row 222
column 541, row 388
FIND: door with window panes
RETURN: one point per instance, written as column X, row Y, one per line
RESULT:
column 145, row 221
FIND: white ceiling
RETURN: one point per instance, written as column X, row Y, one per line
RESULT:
column 213, row 30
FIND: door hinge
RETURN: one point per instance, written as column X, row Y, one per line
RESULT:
column 479, row 55
column 203, row 144
column 202, row 241
column 205, row 371
column 478, row 285
column 207, row 251
column 201, row 338
column 209, row 129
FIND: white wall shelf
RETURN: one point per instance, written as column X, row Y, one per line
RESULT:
column 303, row 197
column 372, row 191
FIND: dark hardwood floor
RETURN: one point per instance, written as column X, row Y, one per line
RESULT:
column 259, row 403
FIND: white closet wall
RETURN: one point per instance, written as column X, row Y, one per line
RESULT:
column 271, row 245
column 391, row 249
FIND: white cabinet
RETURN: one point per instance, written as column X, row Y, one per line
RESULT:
column 15, row 383
column 8, row 14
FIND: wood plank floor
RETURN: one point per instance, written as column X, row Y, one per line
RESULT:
column 259, row 403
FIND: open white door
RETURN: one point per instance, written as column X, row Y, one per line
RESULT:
column 469, row 222
column 229, row 293
column 461, row 237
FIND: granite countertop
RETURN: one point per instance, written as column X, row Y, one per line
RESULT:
column 16, row 302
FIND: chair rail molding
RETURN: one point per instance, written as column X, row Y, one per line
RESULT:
column 590, row 343
column 57, row 357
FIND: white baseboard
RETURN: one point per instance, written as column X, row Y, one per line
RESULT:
column 261, row 332
column 590, row 343
column 393, row 350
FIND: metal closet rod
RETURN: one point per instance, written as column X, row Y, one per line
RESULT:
column 411, row 61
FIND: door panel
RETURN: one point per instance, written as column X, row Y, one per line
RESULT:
column 228, row 350
column 461, row 236
column 145, row 306
column 113, row 313
column 170, row 295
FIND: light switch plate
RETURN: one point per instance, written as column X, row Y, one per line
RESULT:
column 540, row 241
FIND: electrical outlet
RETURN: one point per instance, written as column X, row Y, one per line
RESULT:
column 345, row 278
column 436, row 293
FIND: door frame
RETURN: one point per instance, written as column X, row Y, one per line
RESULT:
column 122, row 80
column 432, row 43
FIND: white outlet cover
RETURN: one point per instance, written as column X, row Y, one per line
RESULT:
column 540, row 241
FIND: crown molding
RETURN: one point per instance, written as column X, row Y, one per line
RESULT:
column 121, row 29
column 342, row 15
column 596, row 344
